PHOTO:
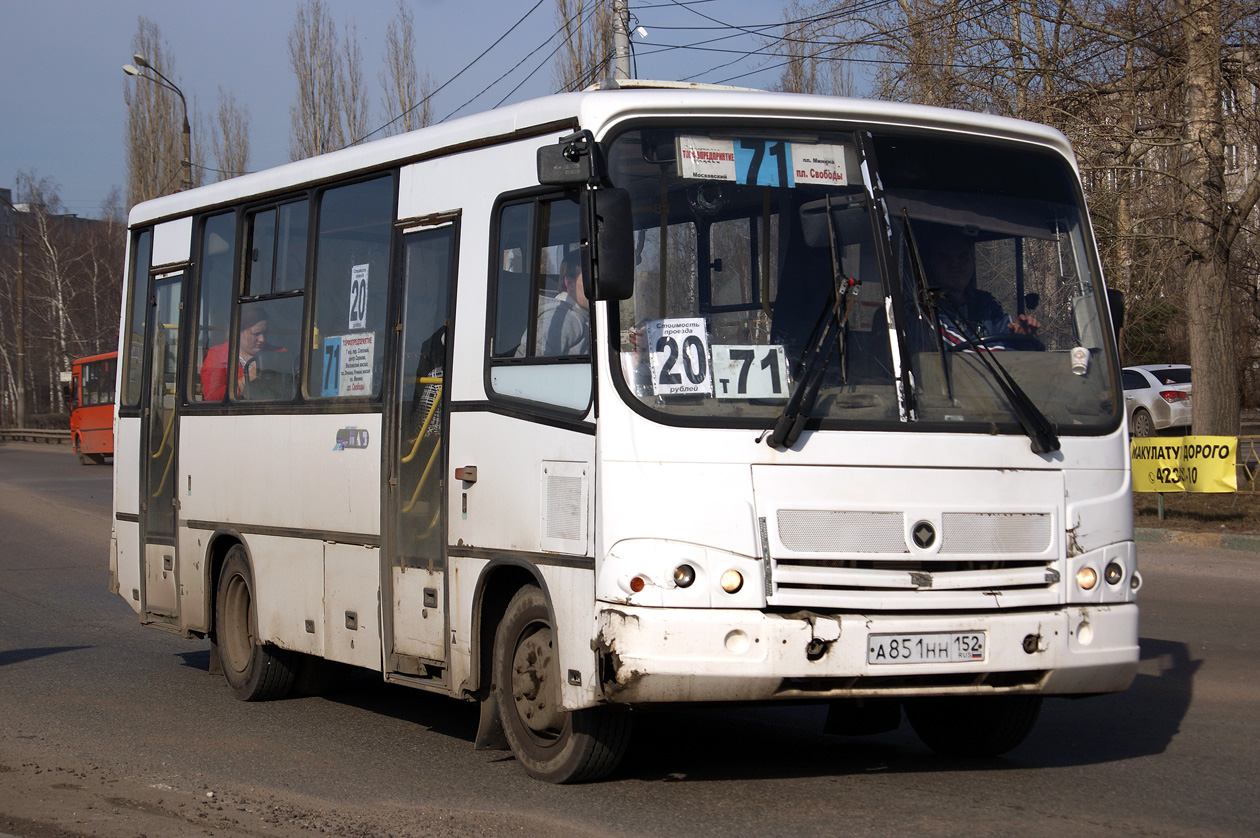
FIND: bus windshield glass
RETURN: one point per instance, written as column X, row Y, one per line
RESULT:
column 884, row 281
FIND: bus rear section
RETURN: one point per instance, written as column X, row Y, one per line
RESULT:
column 90, row 395
column 704, row 396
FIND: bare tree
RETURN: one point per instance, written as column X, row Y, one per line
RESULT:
column 354, row 96
column 1138, row 85
column 71, row 269
column 155, row 119
column 230, row 137
column 316, row 61
column 406, row 99
column 332, row 107
column 587, row 53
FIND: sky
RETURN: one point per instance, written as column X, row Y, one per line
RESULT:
column 62, row 114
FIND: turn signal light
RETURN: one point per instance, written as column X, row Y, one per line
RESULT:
column 1171, row 396
column 637, row 583
column 1113, row 573
column 731, row 581
column 1087, row 578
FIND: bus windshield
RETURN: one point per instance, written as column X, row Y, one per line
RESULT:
column 898, row 281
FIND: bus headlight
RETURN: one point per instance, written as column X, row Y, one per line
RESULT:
column 684, row 575
column 732, row 581
column 1113, row 573
column 1087, row 578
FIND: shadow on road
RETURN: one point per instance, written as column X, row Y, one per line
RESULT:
column 20, row 655
column 785, row 741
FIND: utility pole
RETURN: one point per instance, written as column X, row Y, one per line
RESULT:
column 621, row 39
column 21, row 326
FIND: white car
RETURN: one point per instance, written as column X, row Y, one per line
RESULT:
column 1156, row 396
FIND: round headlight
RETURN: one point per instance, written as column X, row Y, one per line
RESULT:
column 1087, row 578
column 731, row 581
column 684, row 575
column 1113, row 573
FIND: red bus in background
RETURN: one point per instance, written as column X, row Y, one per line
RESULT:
column 91, row 400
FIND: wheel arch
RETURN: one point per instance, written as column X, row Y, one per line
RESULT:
column 221, row 541
column 496, row 585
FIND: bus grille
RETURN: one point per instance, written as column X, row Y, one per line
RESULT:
column 865, row 560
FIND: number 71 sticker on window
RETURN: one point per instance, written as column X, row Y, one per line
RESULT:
column 678, row 349
column 750, row 372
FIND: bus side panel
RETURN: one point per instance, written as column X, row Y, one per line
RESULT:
column 96, row 429
column 570, row 592
column 289, row 591
column 352, row 618
column 511, row 506
column 127, row 502
column 281, row 470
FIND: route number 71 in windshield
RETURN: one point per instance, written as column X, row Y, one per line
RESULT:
column 750, row 372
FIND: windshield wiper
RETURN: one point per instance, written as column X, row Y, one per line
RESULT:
column 1037, row 427
column 929, row 302
column 813, row 364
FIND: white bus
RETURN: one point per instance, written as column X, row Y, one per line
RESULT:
column 639, row 396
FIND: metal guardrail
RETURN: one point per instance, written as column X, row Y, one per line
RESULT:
column 35, row 435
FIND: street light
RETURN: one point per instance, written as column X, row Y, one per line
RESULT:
column 163, row 81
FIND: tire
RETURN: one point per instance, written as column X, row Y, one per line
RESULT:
column 971, row 725
column 551, row 744
column 78, row 450
column 254, row 671
column 1141, row 425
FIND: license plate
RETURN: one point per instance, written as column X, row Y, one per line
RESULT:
column 939, row 647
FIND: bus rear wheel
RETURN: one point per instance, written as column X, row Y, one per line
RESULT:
column 254, row 671
column 973, row 725
column 550, row 743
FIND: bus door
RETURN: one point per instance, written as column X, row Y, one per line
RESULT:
column 159, row 430
column 416, row 618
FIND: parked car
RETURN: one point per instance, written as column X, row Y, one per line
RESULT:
column 1156, row 397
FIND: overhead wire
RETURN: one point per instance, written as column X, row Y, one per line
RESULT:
column 454, row 77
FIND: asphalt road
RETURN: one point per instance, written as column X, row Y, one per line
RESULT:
column 110, row 729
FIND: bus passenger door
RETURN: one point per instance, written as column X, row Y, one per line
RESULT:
column 416, row 619
column 159, row 430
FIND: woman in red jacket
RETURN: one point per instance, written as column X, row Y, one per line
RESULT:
column 214, row 367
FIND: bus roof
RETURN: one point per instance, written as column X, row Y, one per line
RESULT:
column 87, row 359
column 594, row 109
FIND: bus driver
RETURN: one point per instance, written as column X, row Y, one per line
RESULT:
column 564, row 321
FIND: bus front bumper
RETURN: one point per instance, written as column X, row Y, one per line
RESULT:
column 665, row 655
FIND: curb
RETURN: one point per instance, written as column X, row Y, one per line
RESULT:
column 1223, row 541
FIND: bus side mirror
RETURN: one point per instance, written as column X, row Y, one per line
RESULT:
column 608, row 244
column 1115, row 301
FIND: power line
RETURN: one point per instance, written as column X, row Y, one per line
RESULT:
column 452, row 78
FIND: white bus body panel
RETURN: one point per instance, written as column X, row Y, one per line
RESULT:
column 127, row 502
column 172, row 242
column 299, row 479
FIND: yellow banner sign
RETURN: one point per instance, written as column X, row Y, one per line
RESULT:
column 1184, row 464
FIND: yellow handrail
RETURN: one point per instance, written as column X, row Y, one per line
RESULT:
column 423, row 477
column 166, row 434
column 437, row 399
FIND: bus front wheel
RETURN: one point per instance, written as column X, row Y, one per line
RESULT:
column 973, row 725
column 254, row 671
column 552, row 744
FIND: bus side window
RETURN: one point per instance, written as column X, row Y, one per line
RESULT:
column 350, row 289
column 214, row 301
column 541, row 350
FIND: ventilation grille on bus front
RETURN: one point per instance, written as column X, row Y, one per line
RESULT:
column 867, row 560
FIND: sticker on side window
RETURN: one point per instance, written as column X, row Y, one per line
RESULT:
column 678, row 349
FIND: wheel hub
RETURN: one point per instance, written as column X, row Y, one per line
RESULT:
column 533, row 687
